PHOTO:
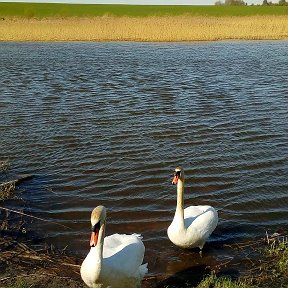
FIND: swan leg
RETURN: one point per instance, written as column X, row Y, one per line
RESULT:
column 201, row 249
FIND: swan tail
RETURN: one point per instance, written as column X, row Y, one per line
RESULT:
column 143, row 269
column 137, row 235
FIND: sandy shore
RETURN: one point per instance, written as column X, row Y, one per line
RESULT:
column 168, row 28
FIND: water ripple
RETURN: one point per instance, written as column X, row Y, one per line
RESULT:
column 106, row 123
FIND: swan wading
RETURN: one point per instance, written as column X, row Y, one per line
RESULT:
column 114, row 261
column 191, row 226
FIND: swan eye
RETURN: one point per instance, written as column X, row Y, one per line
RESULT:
column 177, row 173
column 96, row 227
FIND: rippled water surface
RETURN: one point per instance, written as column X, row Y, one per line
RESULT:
column 107, row 123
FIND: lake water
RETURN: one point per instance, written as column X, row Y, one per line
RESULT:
column 107, row 123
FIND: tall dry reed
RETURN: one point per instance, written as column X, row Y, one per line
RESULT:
column 168, row 28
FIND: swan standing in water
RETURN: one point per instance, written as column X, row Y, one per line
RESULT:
column 114, row 261
column 191, row 226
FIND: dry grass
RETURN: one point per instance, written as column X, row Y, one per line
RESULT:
column 154, row 29
column 7, row 189
column 4, row 166
column 36, row 266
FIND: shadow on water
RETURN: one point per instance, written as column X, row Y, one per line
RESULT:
column 189, row 277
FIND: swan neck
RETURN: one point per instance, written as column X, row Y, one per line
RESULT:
column 100, row 243
column 180, row 195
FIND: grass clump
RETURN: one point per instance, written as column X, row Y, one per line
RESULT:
column 21, row 284
column 277, row 252
column 267, row 268
column 7, row 189
column 223, row 282
column 4, row 166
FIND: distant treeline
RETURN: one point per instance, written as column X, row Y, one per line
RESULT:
column 242, row 3
column 280, row 3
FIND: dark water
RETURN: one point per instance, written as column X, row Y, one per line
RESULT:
column 107, row 123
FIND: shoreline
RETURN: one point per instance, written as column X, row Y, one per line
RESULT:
column 145, row 29
column 28, row 262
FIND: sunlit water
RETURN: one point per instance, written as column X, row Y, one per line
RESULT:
column 107, row 123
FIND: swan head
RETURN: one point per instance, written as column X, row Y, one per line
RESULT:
column 98, row 221
column 178, row 174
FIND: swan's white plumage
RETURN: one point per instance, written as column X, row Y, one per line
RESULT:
column 123, row 253
column 192, row 226
column 117, row 264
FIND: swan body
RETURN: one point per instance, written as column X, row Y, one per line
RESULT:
column 114, row 261
column 192, row 226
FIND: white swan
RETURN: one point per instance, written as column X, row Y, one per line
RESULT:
column 114, row 261
column 191, row 226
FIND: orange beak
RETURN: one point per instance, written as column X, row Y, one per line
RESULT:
column 175, row 179
column 94, row 238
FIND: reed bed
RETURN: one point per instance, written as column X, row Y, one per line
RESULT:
column 152, row 29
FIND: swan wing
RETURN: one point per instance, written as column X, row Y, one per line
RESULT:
column 203, row 219
column 190, row 214
column 124, row 254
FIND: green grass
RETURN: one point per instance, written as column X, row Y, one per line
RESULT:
column 279, row 253
column 214, row 282
column 41, row 10
column 21, row 284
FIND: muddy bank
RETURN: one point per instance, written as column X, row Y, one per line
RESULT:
column 31, row 262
